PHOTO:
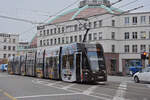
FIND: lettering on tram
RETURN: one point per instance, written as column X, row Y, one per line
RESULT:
column 77, row 62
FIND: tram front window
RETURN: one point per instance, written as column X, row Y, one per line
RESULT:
column 95, row 60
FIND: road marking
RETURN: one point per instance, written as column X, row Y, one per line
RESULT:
column 89, row 90
column 103, row 98
column 48, row 95
column 69, row 86
column 121, row 92
column 86, row 92
column 9, row 96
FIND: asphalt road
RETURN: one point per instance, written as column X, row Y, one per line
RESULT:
column 13, row 87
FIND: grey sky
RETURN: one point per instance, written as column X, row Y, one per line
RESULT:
column 38, row 10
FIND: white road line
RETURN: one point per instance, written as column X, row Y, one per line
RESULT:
column 68, row 86
column 89, row 90
column 99, row 97
column 121, row 92
column 47, row 95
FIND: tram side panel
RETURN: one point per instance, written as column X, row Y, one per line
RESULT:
column 68, row 67
column 30, row 64
column 23, row 64
column 10, row 65
column 40, row 59
column 52, row 66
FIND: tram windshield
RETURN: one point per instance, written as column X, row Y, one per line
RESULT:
column 96, row 61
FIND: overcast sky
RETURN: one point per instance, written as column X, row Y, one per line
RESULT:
column 39, row 10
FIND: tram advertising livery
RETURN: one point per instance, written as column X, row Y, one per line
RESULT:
column 77, row 62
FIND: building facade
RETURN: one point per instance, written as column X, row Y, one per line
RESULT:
column 8, row 45
column 123, row 37
column 25, row 47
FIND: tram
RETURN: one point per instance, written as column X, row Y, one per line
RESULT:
column 76, row 62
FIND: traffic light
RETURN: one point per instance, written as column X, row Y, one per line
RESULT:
column 143, row 55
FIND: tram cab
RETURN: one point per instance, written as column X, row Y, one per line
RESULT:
column 83, row 63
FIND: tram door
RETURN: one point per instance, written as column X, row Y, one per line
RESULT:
column 78, row 64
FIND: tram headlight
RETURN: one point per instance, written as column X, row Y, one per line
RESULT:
column 104, row 71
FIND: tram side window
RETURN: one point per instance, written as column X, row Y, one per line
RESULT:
column 64, row 58
column 71, row 59
column 68, row 61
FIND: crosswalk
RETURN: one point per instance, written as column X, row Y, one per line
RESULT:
column 112, row 91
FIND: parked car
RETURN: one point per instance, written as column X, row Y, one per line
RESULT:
column 3, row 67
column 143, row 75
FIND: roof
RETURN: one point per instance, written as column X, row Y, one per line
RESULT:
column 85, row 11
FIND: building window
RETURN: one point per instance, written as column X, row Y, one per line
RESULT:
column 51, row 41
column 40, row 42
column 134, row 48
column 90, row 24
column 14, row 40
column 4, row 56
column 47, row 32
column 5, row 40
column 95, row 24
column 14, row 48
column 63, row 40
column 58, row 40
column 143, row 19
column 113, row 48
column 126, row 20
column 71, row 39
column 67, row 39
column 126, row 35
column 54, row 30
column 134, row 20
column 100, row 35
column 113, row 35
column 80, row 27
column 143, row 35
column 9, row 47
column 63, row 29
column 80, row 38
column 143, row 48
column 58, row 30
column 55, row 41
column 126, row 49
column 95, row 36
column 85, row 25
column 44, row 32
column 44, row 42
column 75, row 27
column 9, row 55
column 90, row 37
column 9, row 40
column 51, row 31
column 5, row 47
column 40, row 33
column 75, row 38
column 100, row 23
column 134, row 35
column 13, row 55
column 113, row 22
column 47, row 41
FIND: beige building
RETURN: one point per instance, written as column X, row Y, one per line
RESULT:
column 123, row 37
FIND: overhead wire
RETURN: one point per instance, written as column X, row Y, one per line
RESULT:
column 28, row 30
